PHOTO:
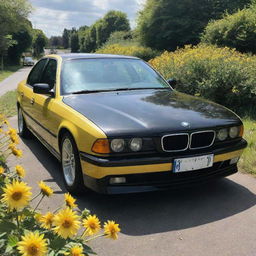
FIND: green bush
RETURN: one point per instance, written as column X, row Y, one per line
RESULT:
column 219, row 74
column 235, row 31
column 144, row 53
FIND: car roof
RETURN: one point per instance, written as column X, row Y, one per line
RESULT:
column 68, row 56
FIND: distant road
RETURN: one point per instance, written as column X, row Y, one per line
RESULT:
column 11, row 82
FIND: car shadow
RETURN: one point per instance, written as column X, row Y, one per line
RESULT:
column 156, row 212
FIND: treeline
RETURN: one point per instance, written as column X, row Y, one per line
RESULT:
column 16, row 32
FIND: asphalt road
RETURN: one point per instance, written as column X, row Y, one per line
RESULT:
column 214, row 219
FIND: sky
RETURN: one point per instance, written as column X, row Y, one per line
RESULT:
column 52, row 16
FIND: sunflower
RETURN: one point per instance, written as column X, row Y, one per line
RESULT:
column 15, row 151
column 45, row 190
column 76, row 251
column 46, row 220
column 16, row 195
column 111, row 229
column 14, row 139
column 70, row 201
column 20, row 171
column 1, row 170
column 32, row 244
column 66, row 223
column 12, row 131
column 92, row 225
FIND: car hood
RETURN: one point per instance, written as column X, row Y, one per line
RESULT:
column 149, row 112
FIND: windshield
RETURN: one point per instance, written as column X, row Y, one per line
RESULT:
column 28, row 58
column 108, row 74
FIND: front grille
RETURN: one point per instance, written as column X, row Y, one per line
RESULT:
column 175, row 142
column 202, row 139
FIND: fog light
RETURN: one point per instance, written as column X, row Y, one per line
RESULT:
column 117, row 180
column 234, row 160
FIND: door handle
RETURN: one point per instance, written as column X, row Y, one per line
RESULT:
column 32, row 101
column 22, row 94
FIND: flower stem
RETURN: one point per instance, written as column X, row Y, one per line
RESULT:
column 92, row 238
column 39, row 203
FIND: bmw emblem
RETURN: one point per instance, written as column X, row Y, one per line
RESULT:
column 185, row 124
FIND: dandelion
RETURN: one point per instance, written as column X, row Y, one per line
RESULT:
column 32, row 244
column 66, row 223
column 92, row 225
column 16, row 195
column 70, row 201
column 45, row 190
column 20, row 171
column 47, row 220
column 111, row 229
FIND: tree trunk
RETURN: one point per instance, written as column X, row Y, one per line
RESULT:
column 2, row 62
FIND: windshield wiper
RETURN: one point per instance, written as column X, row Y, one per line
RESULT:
column 119, row 89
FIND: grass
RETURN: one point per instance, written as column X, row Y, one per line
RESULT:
column 8, row 71
column 247, row 162
column 8, row 104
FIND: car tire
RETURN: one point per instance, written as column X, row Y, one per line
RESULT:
column 24, row 132
column 71, row 165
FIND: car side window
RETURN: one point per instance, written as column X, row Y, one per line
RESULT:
column 36, row 73
column 49, row 75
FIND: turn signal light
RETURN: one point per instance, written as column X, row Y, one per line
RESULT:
column 101, row 146
column 241, row 133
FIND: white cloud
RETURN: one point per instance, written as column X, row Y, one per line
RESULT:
column 52, row 16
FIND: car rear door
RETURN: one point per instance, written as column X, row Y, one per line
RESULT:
column 27, row 95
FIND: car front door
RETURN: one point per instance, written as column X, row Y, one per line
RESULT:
column 27, row 95
column 43, row 103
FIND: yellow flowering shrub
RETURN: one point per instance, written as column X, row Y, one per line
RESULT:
column 219, row 74
column 144, row 53
column 24, row 230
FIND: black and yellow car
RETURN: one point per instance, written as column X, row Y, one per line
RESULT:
column 117, row 126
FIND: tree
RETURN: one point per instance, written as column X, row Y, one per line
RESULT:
column 168, row 24
column 23, row 39
column 99, row 32
column 39, row 42
column 12, row 15
column 74, row 41
column 56, row 41
column 66, row 38
column 236, row 31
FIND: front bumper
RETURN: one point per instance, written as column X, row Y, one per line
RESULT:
column 153, row 173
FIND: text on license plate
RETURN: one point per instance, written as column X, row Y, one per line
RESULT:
column 192, row 163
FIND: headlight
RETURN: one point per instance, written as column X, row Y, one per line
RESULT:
column 233, row 132
column 222, row 134
column 136, row 144
column 117, row 145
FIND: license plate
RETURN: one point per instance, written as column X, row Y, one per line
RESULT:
column 192, row 163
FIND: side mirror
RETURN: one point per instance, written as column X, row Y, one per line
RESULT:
column 172, row 82
column 42, row 89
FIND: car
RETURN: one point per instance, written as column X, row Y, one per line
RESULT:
column 28, row 61
column 117, row 126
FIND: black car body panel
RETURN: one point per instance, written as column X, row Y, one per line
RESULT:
column 150, row 112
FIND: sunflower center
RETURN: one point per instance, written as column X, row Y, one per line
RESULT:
column 67, row 224
column 33, row 250
column 92, row 225
column 16, row 196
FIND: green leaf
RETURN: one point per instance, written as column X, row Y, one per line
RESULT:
column 57, row 243
column 88, row 249
column 7, row 226
column 12, row 240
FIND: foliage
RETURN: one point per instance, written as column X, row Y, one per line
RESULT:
column 65, row 38
column 132, row 50
column 97, row 34
column 39, row 42
column 55, row 42
column 122, row 38
column 8, row 103
column 167, row 24
column 248, row 162
column 220, row 74
column 24, row 230
column 23, row 39
column 12, row 16
column 74, row 41
column 237, row 31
